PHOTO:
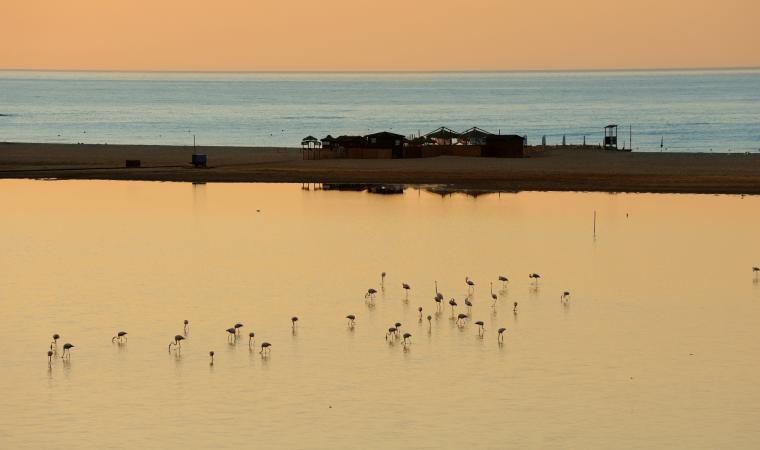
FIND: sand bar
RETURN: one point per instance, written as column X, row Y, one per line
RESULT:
column 553, row 169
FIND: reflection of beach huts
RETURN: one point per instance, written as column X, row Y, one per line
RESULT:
column 371, row 188
column 387, row 189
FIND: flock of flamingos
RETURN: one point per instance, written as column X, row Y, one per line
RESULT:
column 394, row 332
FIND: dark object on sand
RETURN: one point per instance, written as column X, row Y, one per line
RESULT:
column 504, row 146
column 199, row 160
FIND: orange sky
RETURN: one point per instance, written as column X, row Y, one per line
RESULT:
column 378, row 35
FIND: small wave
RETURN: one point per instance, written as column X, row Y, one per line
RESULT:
column 312, row 117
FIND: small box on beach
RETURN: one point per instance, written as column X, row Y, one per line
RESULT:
column 199, row 160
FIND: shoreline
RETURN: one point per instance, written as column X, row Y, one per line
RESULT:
column 554, row 169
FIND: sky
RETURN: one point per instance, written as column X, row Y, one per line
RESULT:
column 367, row 35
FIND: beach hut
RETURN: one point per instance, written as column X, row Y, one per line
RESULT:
column 474, row 136
column 421, row 140
column 387, row 140
column 443, row 136
column 308, row 147
column 328, row 142
column 348, row 141
column 310, row 142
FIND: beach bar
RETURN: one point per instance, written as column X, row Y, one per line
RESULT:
column 442, row 141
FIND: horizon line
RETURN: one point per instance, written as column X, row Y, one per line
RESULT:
column 411, row 71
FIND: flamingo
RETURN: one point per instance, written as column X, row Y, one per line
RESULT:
column 438, row 295
column 351, row 319
column 398, row 328
column 470, row 284
column 232, row 334
column 251, row 337
column 391, row 332
column 501, row 334
column 407, row 339
column 430, row 323
column 265, row 348
column 461, row 319
column 493, row 296
column 481, row 328
column 535, row 277
column 419, row 310
column 382, row 280
column 468, row 303
column 177, row 339
column 211, row 354
column 370, row 293
column 67, row 350
column 406, row 288
column 187, row 326
column 438, row 301
column 756, row 270
column 119, row 336
column 237, row 327
column 54, row 342
column 453, row 303
column 504, row 280
column 515, row 307
column 293, row 321
column 565, row 296
column 50, row 357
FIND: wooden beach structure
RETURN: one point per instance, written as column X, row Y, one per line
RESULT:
column 310, row 147
column 442, row 141
column 443, row 136
column 474, row 136
column 610, row 137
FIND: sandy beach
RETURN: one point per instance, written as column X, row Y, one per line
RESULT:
column 555, row 169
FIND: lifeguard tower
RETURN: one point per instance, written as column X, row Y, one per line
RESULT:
column 610, row 137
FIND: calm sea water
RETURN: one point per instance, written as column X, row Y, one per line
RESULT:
column 657, row 347
column 690, row 110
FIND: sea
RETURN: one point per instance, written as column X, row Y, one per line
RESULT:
column 668, row 111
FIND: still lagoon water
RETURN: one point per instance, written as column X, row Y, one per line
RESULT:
column 697, row 110
column 656, row 348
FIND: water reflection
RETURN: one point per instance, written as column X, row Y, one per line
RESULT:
column 317, row 254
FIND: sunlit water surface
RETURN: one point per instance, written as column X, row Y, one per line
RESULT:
column 657, row 348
